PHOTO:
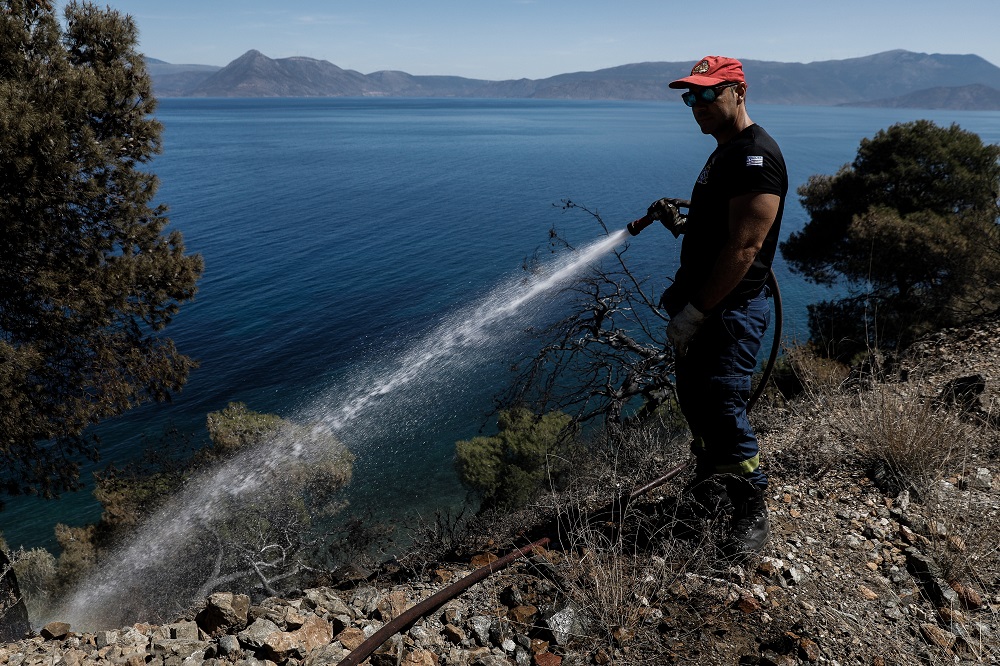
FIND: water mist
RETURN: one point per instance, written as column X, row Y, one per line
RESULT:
column 150, row 578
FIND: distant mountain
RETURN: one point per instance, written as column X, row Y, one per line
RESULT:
column 975, row 97
column 255, row 75
column 884, row 76
column 176, row 80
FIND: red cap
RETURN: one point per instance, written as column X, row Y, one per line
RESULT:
column 711, row 71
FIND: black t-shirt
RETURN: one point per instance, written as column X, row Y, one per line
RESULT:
column 750, row 162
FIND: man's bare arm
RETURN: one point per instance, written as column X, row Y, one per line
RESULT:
column 750, row 219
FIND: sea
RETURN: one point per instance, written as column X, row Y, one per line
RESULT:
column 337, row 233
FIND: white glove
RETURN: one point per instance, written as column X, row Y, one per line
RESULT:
column 682, row 328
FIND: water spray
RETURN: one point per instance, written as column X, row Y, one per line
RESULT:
column 141, row 577
column 674, row 222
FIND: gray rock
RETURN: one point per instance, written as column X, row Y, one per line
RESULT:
column 893, row 612
column 133, row 640
column 565, row 624
column 366, row 599
column 500, row 631
column 457, row 657
column 795, row 575
column 981, row 480
column 229, row 645
column 490, row 660
column 324, row 599
column 419, row 634
column 255, row 636
column 480, row 626
column 328, row 655
column 250, row 661
column 187, row 631
column 931, row 578
column 179, row 648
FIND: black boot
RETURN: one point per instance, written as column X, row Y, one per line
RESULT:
column 699, row 506
column 749, row 527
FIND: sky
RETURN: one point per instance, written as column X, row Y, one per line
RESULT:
column 511, row 39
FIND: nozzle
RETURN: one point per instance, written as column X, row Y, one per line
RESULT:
column 635, row 226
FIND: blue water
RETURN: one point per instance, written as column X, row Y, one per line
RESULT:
column 336, row 230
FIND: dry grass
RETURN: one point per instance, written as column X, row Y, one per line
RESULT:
column 924, row 454
column 622, row 564
column 917, row 442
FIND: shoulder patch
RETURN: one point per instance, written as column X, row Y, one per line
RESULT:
column 755, row 160
column 703, row 176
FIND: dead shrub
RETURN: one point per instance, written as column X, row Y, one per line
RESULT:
column 623, row 561
column 803, row 369
column 36, row 575
column 909, row 442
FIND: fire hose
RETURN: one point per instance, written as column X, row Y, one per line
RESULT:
column 432, row 603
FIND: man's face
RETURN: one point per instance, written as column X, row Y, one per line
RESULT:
column 719, row 113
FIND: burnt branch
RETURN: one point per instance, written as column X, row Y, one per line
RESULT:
column 608, row 358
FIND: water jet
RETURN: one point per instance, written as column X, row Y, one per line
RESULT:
column 149, row 578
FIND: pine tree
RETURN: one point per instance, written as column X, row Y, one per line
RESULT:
column 910, row 229
column 89, row 276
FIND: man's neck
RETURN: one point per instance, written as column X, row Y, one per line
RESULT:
column 732, row 131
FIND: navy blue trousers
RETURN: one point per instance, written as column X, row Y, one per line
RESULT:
column 713, row 387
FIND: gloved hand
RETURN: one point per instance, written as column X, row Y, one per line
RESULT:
column 683, row 327
column 667, row 211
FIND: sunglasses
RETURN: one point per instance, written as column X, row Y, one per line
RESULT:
column 706, row 95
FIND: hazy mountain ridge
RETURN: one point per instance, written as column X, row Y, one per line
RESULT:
column 177, row 80
column 971, row 97
column 891, row 78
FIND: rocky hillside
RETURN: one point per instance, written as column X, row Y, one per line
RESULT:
column 976, row 97
column 885, row 549
column 890, row 74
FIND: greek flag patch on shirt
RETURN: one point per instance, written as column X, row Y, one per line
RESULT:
column 755, row 160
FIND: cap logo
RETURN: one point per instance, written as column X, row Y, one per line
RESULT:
column 700, row 68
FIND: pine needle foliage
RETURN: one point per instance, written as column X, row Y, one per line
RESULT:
column 89, row 275
column 910, row 229
column 509, row 468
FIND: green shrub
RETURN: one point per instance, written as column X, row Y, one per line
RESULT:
column 508, row 468
column 236, row 427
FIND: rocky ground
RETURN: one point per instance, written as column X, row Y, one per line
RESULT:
column 885, row 549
